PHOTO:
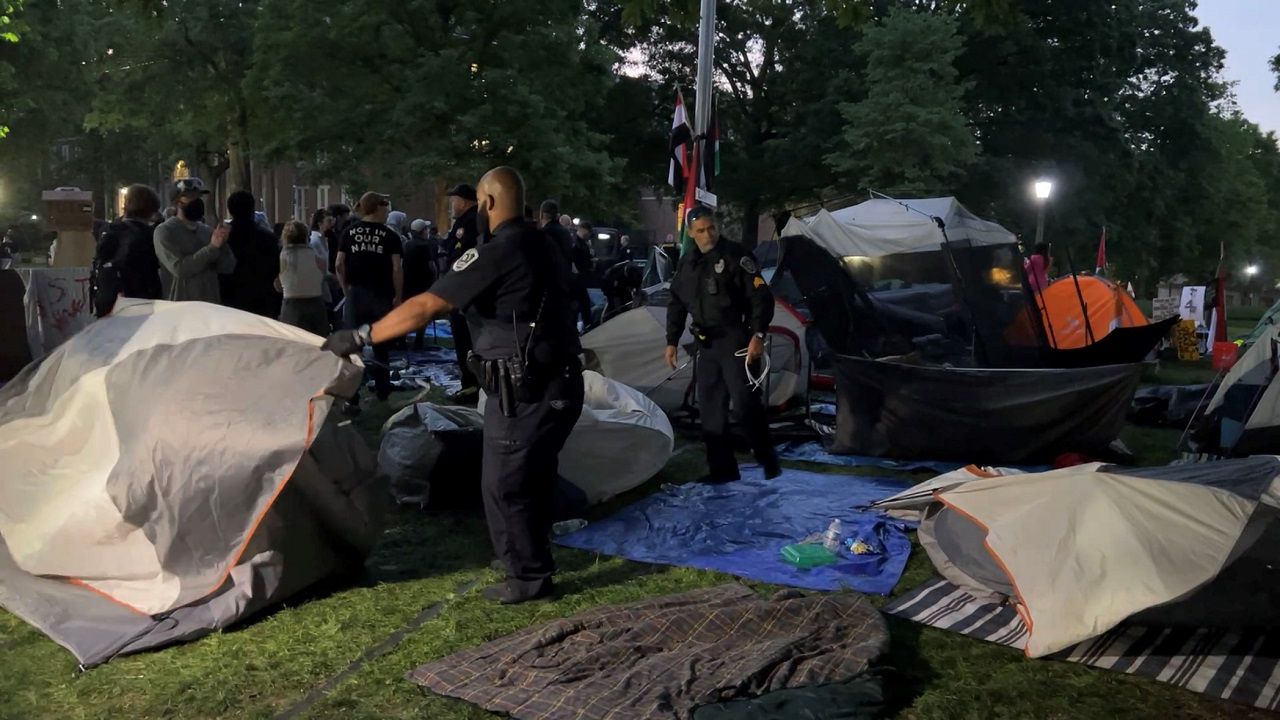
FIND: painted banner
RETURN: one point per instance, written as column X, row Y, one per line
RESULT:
column 1164, row 307
column 1192, row 304
column 57, row 305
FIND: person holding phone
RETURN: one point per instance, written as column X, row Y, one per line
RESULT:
column 192, row 254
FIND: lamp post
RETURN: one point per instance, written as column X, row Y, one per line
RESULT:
column 1043, row 189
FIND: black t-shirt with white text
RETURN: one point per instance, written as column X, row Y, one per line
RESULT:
column 368, row 248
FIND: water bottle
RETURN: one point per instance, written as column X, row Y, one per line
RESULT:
column 831, row 540
column 564, row 527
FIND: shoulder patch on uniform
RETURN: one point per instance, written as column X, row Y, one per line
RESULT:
column 467, row 258
column 758, row 282
column 748, row 263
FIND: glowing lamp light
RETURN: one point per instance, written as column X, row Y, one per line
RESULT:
column 577, row 221
column 602, row 236
column 1251, row 270
column 1043, row 188
column 35, row 218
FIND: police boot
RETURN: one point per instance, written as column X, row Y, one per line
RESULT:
column 508, row 593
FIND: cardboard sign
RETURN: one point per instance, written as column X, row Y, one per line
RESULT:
column 1164, row 307
column 57, row 306
column 1186, row 341
column 1191, row 305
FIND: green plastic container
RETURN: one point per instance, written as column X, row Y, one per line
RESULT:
column 808, row 556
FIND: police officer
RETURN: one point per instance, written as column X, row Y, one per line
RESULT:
column 515, row 289
column 719, row 283
column 463, row 237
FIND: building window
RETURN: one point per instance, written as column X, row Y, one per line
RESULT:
column 322, row 197
column 300, row 203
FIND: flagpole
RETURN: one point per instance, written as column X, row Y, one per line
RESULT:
column 706, row 48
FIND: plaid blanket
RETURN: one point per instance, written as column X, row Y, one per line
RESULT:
column 663, row 657
column 1239, row 665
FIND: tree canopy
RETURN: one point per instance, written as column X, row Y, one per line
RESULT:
column 1120, row 102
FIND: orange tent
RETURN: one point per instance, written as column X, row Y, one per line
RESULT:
column 1109, row 306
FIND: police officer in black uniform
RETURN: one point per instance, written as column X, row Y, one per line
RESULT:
column 719, row 283
column 515, row 289
column 463, row 236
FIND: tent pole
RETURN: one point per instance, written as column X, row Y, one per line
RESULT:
column 1088, row 326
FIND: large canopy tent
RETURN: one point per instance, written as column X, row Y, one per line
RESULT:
column 917, row 315
column 172, row 469
column 1078, row 551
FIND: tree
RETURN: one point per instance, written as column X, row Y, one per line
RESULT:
column 8, row 35
column 1275, row 68
column 443, row 90
column 909, row 135
column 178, row 72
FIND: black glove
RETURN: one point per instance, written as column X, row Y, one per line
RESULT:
column 345, row 343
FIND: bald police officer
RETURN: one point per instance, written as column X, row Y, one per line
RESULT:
column 719, row 283
column 515, row 290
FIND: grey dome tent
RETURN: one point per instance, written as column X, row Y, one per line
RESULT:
column 172, row 469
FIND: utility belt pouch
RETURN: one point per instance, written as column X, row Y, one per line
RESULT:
column 700, row 335
column 480, row 369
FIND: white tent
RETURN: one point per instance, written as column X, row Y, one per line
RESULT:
column 876, row 228
column 1077, row 551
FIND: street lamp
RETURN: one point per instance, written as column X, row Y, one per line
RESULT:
column 1251, row 269
column 1043, row 189
column 35, row 218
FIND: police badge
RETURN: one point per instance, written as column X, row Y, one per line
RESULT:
column 749, row 264
column 467, row 258
column 720, row 266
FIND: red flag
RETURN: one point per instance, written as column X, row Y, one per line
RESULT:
column 690, row 201
column 1102, row 253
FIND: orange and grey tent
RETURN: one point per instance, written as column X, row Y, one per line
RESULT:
column 172, row 469
column 1109, row 306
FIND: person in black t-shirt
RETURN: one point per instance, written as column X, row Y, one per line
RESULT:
column 372, row 277
column 516, row 290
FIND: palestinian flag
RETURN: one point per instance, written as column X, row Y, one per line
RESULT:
column 681, row 144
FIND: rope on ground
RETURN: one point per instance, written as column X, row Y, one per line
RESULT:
column 319, row 692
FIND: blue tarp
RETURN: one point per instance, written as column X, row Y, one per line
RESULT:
column 741, row 527
column 812, row 451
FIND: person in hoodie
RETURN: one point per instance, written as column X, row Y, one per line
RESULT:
column 191, row 254
column 125, row 261
column 251, row 287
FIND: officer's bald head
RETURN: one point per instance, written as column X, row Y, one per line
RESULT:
column 500, row 195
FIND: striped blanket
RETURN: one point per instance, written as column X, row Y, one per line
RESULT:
column 1240, row 665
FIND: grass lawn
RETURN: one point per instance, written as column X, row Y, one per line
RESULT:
column 342, row 651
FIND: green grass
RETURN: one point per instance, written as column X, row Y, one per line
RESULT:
column 435, row 561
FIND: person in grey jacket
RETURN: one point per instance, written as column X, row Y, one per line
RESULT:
column 191, row 254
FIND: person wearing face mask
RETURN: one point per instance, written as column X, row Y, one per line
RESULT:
column 192, row 254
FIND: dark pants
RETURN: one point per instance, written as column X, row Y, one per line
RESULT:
column 310, row 314
column 461, row 346
column 366, row 306
column 583, row 301
column 518, row 480
column 721, row 378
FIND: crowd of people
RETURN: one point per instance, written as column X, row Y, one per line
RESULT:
column 349, row 267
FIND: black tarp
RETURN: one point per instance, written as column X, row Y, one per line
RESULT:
column 991, row 416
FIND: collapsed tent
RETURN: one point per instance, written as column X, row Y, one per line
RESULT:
column 1109, row 307
column 172, row 469
column 631, row 346
column 1080, row 550
column 894, row 409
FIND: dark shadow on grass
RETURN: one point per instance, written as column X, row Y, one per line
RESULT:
column 605, row 576
column 905, row 670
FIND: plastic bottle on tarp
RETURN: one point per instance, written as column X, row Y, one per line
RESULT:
column 564, row 527
column 831, row 540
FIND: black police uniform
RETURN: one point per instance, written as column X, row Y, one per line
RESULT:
column 729, row 302
column 463, row 236
column 515, row 290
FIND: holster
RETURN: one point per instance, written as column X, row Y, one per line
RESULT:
column 700, row 335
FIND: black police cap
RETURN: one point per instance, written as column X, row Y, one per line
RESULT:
column 464, row 191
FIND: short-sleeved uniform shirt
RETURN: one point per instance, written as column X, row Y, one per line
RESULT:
column 503, row 284
column 368, row 248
